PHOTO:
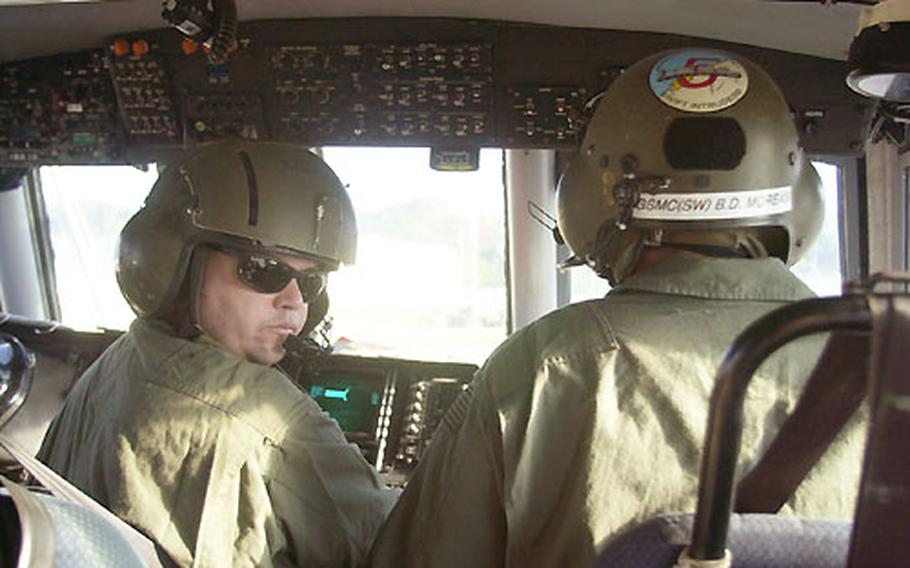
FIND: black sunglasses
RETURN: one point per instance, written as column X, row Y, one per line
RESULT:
column 269, row 275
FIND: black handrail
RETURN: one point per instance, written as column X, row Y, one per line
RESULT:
column 17, row 365
column 725, row 420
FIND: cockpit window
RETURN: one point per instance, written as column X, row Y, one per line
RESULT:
column 820, row 268
column 429, row 282
column 86, row 208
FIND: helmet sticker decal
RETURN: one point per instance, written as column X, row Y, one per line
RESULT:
column 699, row 80
column 711, row 206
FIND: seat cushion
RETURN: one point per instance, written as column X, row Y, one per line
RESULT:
column 755, row 540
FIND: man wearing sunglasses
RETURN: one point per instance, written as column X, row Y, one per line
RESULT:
column 184, row 427
column 251, row 303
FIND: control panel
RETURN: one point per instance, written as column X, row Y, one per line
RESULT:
column 389, row 407
column 549, row 116
column 143, row 92
column 424, row 93
column 427, row 400
column 458, row 85
column 59, row 110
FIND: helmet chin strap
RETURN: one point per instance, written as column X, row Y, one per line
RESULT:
column 616, row 251
column 619, row 239
column 191, row 326
column 183, row 312
column 316, row 311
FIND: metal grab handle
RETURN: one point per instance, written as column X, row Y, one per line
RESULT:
column 725, row 420
column 17, row 365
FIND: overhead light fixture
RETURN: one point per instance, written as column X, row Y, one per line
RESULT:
column 879, row 60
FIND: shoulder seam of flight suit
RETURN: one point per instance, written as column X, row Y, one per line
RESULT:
column 233, row 362
column 272, row 436
column 599, row 321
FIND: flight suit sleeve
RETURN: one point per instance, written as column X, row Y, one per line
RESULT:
column 329, row 501
column 452, row 513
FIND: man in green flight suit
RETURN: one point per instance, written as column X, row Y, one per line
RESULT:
column 183, row 427
column 690, row 195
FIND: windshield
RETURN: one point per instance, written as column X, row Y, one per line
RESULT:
column 429, row 282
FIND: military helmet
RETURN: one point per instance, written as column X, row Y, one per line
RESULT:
column 265, row 196
column 689, row 147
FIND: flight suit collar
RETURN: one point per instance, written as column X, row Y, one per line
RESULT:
column 766, row 279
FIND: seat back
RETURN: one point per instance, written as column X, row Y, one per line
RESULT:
column 67, row 529
column 755, row 541
column 878, row 534
column 54, row 532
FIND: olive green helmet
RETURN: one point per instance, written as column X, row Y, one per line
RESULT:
column 265, row 196
column 691, row 147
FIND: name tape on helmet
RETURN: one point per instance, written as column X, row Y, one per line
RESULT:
column 699, row 80
column 711, row 206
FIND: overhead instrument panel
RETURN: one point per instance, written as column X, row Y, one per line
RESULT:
column 422, row 93
column 143, row 92
column 545, row 115
column 397, row 94
column 456, row 85
column 58, row 110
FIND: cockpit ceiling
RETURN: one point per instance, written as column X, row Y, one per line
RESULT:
column 31, row 28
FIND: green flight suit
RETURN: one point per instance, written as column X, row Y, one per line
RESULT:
column 592, row 419
column 222, row 461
